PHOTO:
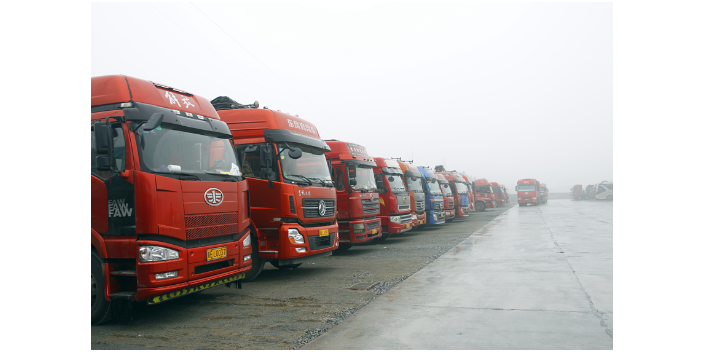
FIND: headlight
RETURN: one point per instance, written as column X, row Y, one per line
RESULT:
column 414, row 217
column 358, row 228
column 156, row 254
column 295, row 237
column 395, row 219
column 247, row 241
column 435, row 217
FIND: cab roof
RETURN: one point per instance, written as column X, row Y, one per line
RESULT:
column 527, row 180
column 251, row 123
column 348, row 151
column 481, row 182
column 108, row 92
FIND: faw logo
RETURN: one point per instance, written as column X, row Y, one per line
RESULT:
column 118, row 208
column 213, row 197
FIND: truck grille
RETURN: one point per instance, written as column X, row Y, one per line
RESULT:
column 420, row 206
column 202, row 226
column 317, row 242
column 404, row 207
column 373, row 225
column 310, row 208
column 406, row 218
column 370, row 206
column 438, row 205
column 451, row 204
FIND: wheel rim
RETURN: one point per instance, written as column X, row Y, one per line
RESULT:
column 93, row 290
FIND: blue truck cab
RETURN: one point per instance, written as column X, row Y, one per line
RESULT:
column 434, row 201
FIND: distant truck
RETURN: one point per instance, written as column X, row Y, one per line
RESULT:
column 459, row 190
column 528, row 192
column 543, row 193
column 576, row 192
column 414, row 184
column 498, row 193
column 483, row 195
column 589, row 191
column 449, row 198
column 169, row 214
column 434, row 200
column 604, row 191
column 470, row 192
column 291, row 193
column 395, row 200
column 507, row 199
column 357, row 196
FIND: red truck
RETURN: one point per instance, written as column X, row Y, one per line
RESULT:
column 414, row 185
column 528, row 192
column 483, row 195
column 543, row 193
column 448, row 197
column 395, row 200
column 470, row 192
column 292, row 196
column 357, row 197
column 459, row 190
column 507, row 199
column 169, row 214
column 576, row 192
column 498, row 193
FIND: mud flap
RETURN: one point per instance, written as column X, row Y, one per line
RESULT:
column 121, row 308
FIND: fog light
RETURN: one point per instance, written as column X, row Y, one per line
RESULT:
column 300, row 250
column 247, row 257
column 358, row 228
column 167, row 275
column 295, row 237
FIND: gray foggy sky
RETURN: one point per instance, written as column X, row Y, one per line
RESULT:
column 501, row 91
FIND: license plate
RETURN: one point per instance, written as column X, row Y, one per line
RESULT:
column 323, row 233
column 373, row 231
column 217, row 253
column 421, row 222
column 408, row 225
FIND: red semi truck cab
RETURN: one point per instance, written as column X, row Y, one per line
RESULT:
column 498, row 193
column 459, row 190
column 483, row 195
column 395, row 200
column 470, row 192
column 576, row 192
column 414, row 185
column 448, row 196
column 292, row 196
column 358, row 200
column 543, row 193
column 169, row 213
column 528, row 192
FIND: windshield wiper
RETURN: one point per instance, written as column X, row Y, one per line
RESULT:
column 191, row 176
column 321, row 181
column 310, row 182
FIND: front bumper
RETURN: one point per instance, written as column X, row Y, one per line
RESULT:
column 372, row 230
column 435, row 217
column 419, row 220
column 449, row 214
column 314, row 242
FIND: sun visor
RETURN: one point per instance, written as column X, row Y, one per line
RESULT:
column 187, row 120
column 282, row 135
column 411, row 173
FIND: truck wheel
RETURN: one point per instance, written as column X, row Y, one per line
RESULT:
column 282, row 267
column 99, row 306
column 480, row 206
column 344, row 247
column 257, row 263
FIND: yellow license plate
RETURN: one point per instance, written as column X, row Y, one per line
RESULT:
column 373, row 231
column 217, row 253
column 421, row 222
column 323, row 233
column 408, row 225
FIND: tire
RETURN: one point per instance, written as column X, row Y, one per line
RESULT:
column 344, row 246
column 480, row 206
column 99, row 306
column 521, row 204
column 257, row 263
column 282, row 267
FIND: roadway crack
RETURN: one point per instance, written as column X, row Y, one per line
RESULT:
column 600, row 315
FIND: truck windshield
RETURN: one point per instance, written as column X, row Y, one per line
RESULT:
column 542, row 189
column 413, row 184
column 434, row 187
column 461, row 188
column 312, row 165
column 397, row 183
column 608, row 185
column 365, row 178
column 526, row 187
column 446, row 190
column 497, row 190
column 483, row 189
column 169, row 151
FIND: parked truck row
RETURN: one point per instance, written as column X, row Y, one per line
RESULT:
column 188, row 194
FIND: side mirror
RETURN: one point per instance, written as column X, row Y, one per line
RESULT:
column 295, row 153
column 266, row 164
column 353, row 182
column 153, row 122
column 329, row 167
column 103, row 138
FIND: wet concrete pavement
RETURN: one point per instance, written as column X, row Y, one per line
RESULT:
column 533, row 278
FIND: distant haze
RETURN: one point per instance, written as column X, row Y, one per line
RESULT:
column 502, row 91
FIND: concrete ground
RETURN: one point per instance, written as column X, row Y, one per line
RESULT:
column 536, row 277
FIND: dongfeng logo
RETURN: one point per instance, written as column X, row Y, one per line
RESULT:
column 213, row 197
column 321, row 208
